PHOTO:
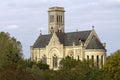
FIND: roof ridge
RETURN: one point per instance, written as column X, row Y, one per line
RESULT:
column 79, row 31
column 66, row 32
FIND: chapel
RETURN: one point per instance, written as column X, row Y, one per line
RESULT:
column 57, row 44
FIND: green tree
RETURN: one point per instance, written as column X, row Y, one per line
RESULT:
column 10, row 49
column 42, row 66
column 11, row 60
column 29, row 63
column 72, row 69
column 112, row 66
column 67, row 63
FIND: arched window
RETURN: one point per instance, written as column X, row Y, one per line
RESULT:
column 97, row 61
column 102, row 61
column 55, row 61
column 44, row 59
column 57, row 19
column 35, row 58
column 61, row 19
column 88, row 57
column 78, row 57
column 92, row 60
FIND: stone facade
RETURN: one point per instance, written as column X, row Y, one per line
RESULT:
column 51, row 48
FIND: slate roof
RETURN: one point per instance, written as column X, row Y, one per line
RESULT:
column 67, row 39
column 95, row 44
column 42, row 41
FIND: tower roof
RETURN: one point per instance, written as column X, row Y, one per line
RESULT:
column 56, row 9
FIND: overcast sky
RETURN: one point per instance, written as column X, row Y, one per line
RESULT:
column 24, row 19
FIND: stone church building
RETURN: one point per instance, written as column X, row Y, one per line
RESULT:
column 51, row 48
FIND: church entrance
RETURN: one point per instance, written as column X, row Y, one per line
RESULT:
column 54, row 55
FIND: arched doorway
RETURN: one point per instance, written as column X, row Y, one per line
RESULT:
column 54, row 57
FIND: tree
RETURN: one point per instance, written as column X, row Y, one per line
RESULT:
column 10, row 49
column 112, row 66
column 42, row 66
column 67, row 63
column 12, row 64
column 72, row 69
column 11, row 60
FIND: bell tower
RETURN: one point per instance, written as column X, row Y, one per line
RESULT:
column 56, row 20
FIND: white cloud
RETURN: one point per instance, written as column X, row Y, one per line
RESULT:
column 12, row 27
column 8, row 28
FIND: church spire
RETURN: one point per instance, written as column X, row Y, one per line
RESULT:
column 56, row 19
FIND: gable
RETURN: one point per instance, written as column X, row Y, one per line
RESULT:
column 95, row 44
column 54, row 40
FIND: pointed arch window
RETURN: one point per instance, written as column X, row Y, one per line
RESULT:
column 87, row 57
column 44, row 59
column 55, row 61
